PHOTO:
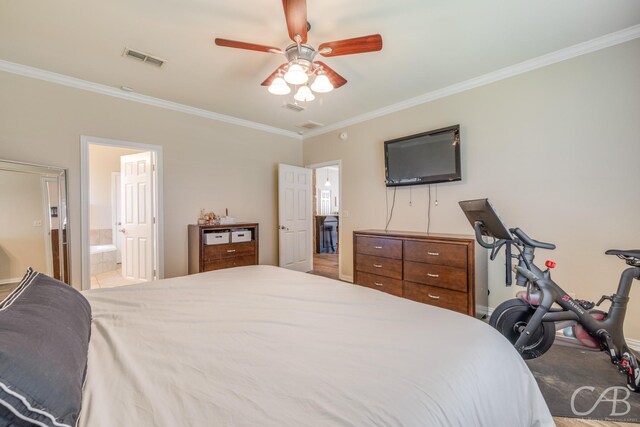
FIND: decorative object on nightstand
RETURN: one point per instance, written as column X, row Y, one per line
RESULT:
column 214, row 247
column 208, row 218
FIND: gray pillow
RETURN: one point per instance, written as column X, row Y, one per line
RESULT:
column 44, row 338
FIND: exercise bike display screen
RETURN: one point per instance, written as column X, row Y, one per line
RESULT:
column 482, row 211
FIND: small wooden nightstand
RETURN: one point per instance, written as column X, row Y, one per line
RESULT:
column 231, row 245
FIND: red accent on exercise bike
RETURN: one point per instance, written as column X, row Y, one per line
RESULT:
column 566, row 298
column 550, row 264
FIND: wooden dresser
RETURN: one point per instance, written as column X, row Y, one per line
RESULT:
column 241, row 247
column 449, row 271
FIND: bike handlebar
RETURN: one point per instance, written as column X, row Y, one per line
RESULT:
column 531, row 242
column 521, row 235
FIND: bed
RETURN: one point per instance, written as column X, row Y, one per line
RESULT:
column 265, row 346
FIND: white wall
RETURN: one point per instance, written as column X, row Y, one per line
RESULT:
column 21, row 244
column 206, row 163
column 556, row 149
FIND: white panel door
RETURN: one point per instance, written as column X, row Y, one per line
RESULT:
column 136, row 182
column 295, row 221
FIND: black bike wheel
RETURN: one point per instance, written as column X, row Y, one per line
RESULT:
column 512, row 316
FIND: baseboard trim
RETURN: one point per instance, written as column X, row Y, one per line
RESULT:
column 9, row 281
column 633, row 343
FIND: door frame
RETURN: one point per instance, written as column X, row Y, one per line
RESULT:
column 46, row 221
column 158, row 230
column 337, row 163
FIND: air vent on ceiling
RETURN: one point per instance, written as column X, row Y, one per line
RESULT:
column 293, row 107
column 309, row 124
column 144, row 57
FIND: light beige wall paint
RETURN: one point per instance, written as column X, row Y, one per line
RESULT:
column 206, row 163
column 103, row 161
column 556, row 149
column 21, row 244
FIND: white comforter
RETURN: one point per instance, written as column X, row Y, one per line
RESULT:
column 264, row 346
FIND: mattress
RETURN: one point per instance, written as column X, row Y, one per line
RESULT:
column 265, row 346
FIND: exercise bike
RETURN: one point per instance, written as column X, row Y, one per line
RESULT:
column 530, row 320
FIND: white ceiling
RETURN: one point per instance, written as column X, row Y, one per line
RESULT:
column 428, row 45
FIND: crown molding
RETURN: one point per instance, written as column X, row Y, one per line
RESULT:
column 579, row 49
column 584, row 48
column 61, row 79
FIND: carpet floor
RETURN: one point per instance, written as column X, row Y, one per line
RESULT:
column 583, row 384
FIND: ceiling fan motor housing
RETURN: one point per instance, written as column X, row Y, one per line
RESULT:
column 303, row 56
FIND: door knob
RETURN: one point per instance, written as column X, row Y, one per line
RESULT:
column 282, row 227
column 122, row 230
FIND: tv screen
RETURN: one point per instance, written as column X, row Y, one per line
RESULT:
column 425, row 158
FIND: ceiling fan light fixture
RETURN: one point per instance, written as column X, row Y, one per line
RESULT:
column 296, row 75
column 279, row 87
column 321, row 84
column 304, row 94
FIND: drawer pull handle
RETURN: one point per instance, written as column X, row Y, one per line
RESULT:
column 433, row 275
column 378, row 247
column 377, row 265
column 378, row 284
column 434, row 296
column 231, row 250
column 433, row 253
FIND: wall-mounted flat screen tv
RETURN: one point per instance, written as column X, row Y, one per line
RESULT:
column 425, row 158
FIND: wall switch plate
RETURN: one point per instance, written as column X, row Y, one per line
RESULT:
column 345, row 214
column 37, row 223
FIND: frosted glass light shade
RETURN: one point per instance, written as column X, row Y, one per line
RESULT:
column 295, row 75
column 279, row 87
column 322, row 84
column 304, row 94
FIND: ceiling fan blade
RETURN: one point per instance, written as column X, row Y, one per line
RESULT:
column 336, row 79
column 364, row 44
column 295, row 12
column 247, row 46
column 273, row 75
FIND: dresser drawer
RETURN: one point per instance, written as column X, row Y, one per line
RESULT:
column 388, row 248
column 436, row 275
column 436, row 253
column 445, row 298
column 380, row 266
column 215, row 252
column 381, row 283
column 238, row 261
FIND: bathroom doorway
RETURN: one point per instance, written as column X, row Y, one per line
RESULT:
column 326, row 182
column 121, row 213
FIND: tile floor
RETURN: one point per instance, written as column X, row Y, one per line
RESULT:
column 111, row 279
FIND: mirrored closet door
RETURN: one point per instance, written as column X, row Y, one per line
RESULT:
column 34, row 229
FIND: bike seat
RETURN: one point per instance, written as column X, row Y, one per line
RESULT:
column 632, row 253
column 631, row 257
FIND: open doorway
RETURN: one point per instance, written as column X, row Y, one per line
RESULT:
column 120, row 213
column 326, row 219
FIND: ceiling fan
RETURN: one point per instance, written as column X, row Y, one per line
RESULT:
column 301, row 64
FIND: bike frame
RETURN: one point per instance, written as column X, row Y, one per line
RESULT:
column 611, row 327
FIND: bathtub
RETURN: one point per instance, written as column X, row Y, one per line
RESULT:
column 103, row 258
